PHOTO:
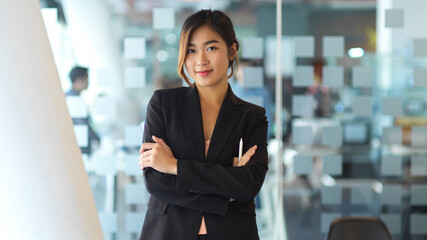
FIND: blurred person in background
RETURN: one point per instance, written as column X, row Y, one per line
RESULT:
column 79, row 78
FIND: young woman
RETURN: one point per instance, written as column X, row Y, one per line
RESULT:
column 199, row 189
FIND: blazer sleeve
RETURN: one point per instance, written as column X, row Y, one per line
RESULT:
column 241, row 183
column 164, row 186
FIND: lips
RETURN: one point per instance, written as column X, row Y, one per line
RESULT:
column 203, row 73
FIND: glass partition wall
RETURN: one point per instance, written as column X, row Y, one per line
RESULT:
column 353, row 109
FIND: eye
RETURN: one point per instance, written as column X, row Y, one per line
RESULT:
column 190, row 51
column 212, row 48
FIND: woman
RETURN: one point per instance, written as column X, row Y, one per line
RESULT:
column 199, row 189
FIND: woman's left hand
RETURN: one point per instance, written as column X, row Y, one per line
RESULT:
column 159, row 156
column 245, row 158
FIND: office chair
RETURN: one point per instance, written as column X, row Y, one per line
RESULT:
column 358, row 228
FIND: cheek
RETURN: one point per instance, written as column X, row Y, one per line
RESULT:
column 188, row 63
column 187, row 66
column 223, row 62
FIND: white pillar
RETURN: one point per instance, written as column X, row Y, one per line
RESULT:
column 279, row 221
column 44, row 190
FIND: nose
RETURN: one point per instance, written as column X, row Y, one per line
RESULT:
column 201, row 59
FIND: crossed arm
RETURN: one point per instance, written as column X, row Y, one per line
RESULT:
column 169, row 179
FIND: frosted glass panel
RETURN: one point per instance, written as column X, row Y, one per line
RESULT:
column 419, row 166
column 333, row 46
column 105, row 165
column 420, row 47
column 303, row 76
column 134, row 48
column 135, row 77
column 134, row 222
column 135, row 194
column 105, row 77
column 105, row 107
column 255, row 100
column 82, row 135
column 326, row 219
column 76, row 106
column 419, row 195
column 418, row 224
column 393, row 222
column 253, row 77
column 392, row 106
column 163, row 18
column 304, row 46
column 394, row 18
column 356, row 133
column 108, row 222
column 333, row 76
column 392, row 135
column 303, row 164
column 331, row 195
column 132, row 165
column 419, row 136
column 362, row 76
column 252, row 48
column 391, row 195
column 302, row 135
column 302, row 105
column 420, row 77
column 133, row 136
column 391, row 166
column 361, row 195
column 362, row 106
column 332, row 164
column 332, row 136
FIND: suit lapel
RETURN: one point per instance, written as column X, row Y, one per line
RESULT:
column 228, row 117
column 191, row 114
column 192, row 117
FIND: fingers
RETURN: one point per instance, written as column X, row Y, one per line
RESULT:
column 146, row 146
column 145, row 159
column 146, row 164
column 235, row 161
column 159, row 140
column 251, row 151
column 247, row 156
column 141, row 162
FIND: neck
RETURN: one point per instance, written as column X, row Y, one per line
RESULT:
column 76, row 89
column 213, row 95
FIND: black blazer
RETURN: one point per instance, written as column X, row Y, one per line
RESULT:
column 203, row 186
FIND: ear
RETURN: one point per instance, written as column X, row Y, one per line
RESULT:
column 232, row 53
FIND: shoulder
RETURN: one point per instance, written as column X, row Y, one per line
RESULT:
column 168, row 92
column 249, row 107
column 167, row 95
column 252, row 112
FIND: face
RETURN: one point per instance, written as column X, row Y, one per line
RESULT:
column 82, row 83
column 208, row 57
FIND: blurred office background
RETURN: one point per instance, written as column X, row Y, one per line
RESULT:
column 354, row 104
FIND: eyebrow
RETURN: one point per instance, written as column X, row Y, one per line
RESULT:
column 206, row 43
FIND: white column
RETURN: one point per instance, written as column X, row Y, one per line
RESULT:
column 44, row 190
column 279, row 221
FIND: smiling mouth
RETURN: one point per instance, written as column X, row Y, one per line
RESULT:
column 204, row 73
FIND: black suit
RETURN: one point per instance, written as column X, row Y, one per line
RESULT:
column 203, row 186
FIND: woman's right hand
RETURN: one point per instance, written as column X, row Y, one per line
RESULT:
column 245, row 158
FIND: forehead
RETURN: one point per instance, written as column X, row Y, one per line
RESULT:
column 203, row 34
